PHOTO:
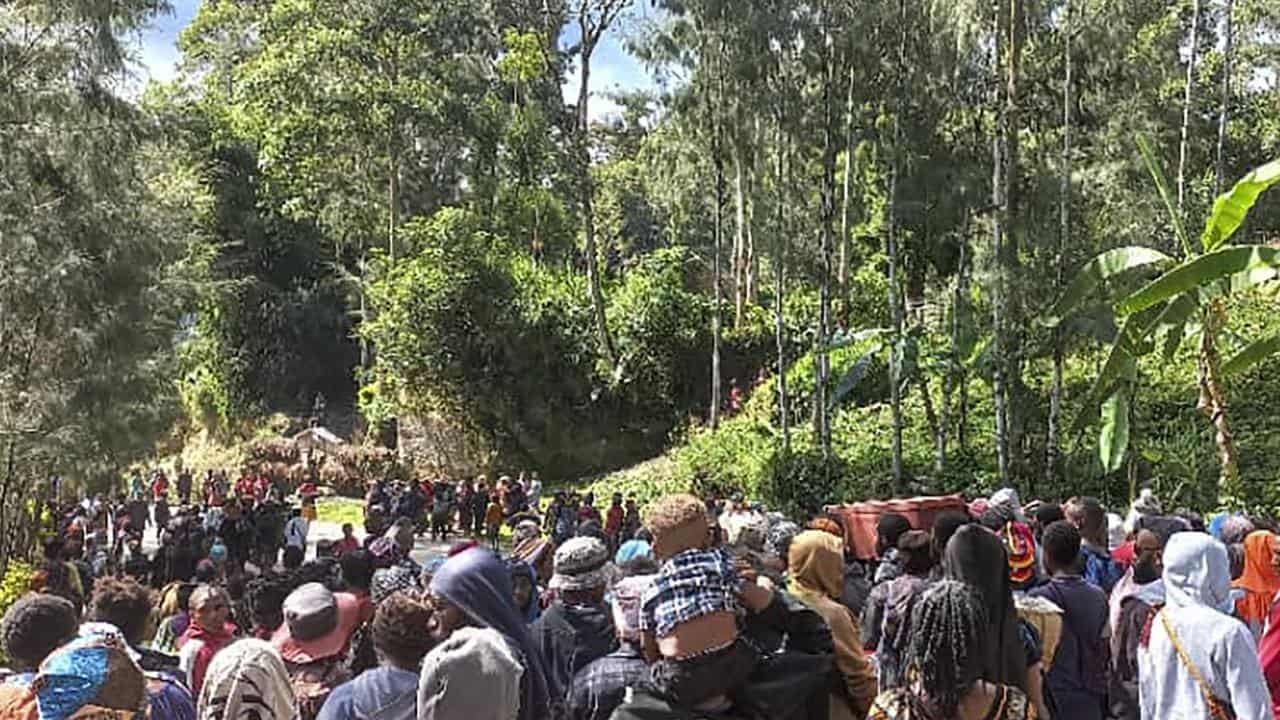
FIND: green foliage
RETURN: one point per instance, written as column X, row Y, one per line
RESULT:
column 15, row 584
column 800, row 484
column 660, row 328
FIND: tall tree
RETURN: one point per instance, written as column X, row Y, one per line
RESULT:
column 895, row 282
column 1064, row 232
column 1187, row 99
column 1224, row 103
column 595, row 17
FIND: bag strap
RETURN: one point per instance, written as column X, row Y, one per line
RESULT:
column 1209, row 697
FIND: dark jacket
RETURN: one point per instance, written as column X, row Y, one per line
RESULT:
column 570, row 637
column 601, row 686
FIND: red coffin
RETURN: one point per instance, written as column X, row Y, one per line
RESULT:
column 859, row 519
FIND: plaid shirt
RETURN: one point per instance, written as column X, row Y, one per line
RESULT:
column 600, row 687
column 689, row 585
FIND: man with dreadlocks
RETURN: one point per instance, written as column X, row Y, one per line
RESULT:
column 944, row 661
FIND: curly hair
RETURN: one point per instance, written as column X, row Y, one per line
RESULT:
column 946, row 644
column 36, row 625
column 264, row 598
column 125, row 603
column 400, row 629
column 678, row 522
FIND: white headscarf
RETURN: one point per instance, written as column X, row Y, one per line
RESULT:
column 1007, row 499
column 1197, row 572
column 247, row 667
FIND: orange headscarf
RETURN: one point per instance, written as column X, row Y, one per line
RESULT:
column 1260, row 580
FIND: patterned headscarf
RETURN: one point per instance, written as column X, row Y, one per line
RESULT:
column 626, row 601
column 247, row 674
column 389, row 581
column 94, row 672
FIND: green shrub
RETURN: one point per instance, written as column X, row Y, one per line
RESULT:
column 800, row 483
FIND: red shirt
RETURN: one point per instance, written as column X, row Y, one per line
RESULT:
column 613, row 521
column 346, row 544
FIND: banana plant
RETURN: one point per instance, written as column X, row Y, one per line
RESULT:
column 1184, row 303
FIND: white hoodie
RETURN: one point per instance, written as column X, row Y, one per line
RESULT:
column 1197, row 579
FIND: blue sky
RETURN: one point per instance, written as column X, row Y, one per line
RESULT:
column 611, row 66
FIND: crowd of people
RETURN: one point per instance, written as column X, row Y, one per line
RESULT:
column 695, row 608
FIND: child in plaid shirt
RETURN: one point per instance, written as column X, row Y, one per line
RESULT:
column 689, row 617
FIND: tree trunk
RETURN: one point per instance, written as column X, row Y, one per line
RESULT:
column 779, row 291
column 1015, row 326
column 895, row 294
column 1224, row 113
column 1064, row 208
column 999, row 290
column 717, row 154
column 1212, row 402
column 821, row 420
column 848, row 186
column 1186, row 108
column 588, row 204
column 739, row 239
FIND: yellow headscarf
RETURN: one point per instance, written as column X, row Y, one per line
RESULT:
column 816, row 564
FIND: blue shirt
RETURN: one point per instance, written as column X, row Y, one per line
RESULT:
column 1099, row 569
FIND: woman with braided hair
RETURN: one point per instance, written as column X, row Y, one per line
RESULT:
column 945, row 659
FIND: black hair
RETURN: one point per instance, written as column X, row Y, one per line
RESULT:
column 946, row 645
column 1061, row 545
column 125, row 603
column 357, row 568
column 265, row 596
column 890, row 527
column 1049, row 513
column 36, row 625
column 946, row 525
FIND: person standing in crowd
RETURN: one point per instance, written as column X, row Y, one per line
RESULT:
column 613, row 520
column 1198, row 661
column 535, row 491
column 126, row 605
column 1090, row 519
column 348, row 542
column 402, row 639
column 889, row 528
column 577, row 628
column 184, row 485
column 313, row 642
column 474, row 588
column 947, row 656
column 1260, row 581
column 977, row 557
column 479, row 507
column 915, row 551
column 208, row 632
column 247, row 681
column 34, row 626
column 630, row 519
column 689, row 619
column 816, row 563
column 296, row 531
column 600, row 687
column 524, row 589
column 1133, row 603
column 1077, row 677
column 476, row 674
column 587, row 512
column 493, row 517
